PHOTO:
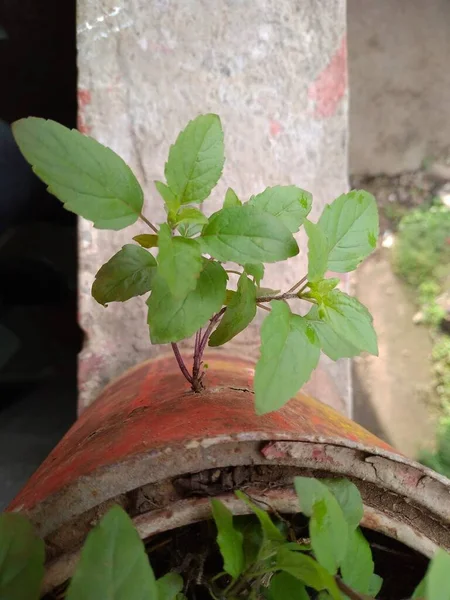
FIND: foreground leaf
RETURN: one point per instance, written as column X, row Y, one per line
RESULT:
column 240, row 313
column 171, row 201
column 438, row 577
column 146, row 240
column 328, row 528
column 357, row 566
column 349, row 499
column 307, row 570
column 317, row 252
column 350, row 320
column 102, row 571
column 229, row 539
column 22, row 555
column 350, row 224
column 330, row 342
column 173, row 319
column 246, row 234
column 289, row 353
column 127, row 274
column 90, row 179
column 169, row 586
column 288, row 203
column 196, row 160
column 179, row 262
column 375, row 585
column 231, row 199
column 284, row 586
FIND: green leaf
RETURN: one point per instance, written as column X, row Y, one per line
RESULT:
column 330, row 342
column 298, row 547
column 284, row 586
column 269, row 529
column 189, row 230
column 288, row 203
column 231, row 199
column 438, row 577
column 307, row 570
column 322, row 287
column 147, row 240
column 289, row 353
column 169, row 586
column 179, row 262
column 317, row 251
column 263, row 292
column 229, row 539
column 357, row 566
column 171, row 201
column 246, row 234
column 102, row 571
column 22, row 556
column 190, row 216
column 350, row 224
column 349, row 499
column 421, row 590
column 350, row 320
column 127, row 274
column 328, row 528
column 255, row 270
column 90, row 179
column 252, row 533
column 196, row 159
column 240, row 313
column 375, row 585
column 173, row 319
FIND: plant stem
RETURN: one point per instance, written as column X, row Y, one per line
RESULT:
column 196, row 382
column 147, row 222
column 181, row 364
column 213, row 322
column 298, row 284
column 348, row 591
column 233, row 271
column 263, row 307
column 285, row 296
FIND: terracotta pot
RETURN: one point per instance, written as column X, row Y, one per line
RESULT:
column 162, row 451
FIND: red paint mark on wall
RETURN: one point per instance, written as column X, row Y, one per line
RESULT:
column 84, row 98
column 275, row 128
column 330, row 86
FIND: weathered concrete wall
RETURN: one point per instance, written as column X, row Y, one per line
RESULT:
column 275, row 71
column 400, row 83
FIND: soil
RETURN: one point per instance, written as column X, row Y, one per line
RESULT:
column 393, row 394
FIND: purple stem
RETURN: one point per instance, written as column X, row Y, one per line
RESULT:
column 180, row 362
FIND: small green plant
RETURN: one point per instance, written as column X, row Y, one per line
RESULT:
column 188, row 279
column 262, row 558
column 422, row 248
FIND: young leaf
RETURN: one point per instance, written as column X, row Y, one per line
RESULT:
column 196, row 160
column 328, row 528
column 190, row 216
column 246, row 234
column 171, row 201
column 357, row 566
column 289, row 353
column 229, row 539
column 350, row 224
column 307, row 570
column 22, row 555
column 103, row 572
column 323, row 286
column 269, row 529
column 179, row 262
column 127, row 274
column 90, row 179
column 147, row 240
column 189, row 230
column 173, row 319
column 255, row 270
column 330, row 342
column 288, row 203
column 284, row 586
column 240, row 313
column 349, row 499
column 317, row 251
column 231, row 199
column 438, row 577
column 169, row 586
column 350, row 320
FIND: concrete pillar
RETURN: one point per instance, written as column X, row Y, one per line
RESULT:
column 275, row 72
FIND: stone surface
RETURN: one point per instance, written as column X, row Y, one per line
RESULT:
column 276, row 74
column 400, row 83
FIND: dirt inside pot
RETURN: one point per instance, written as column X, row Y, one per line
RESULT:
column 192, row 551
